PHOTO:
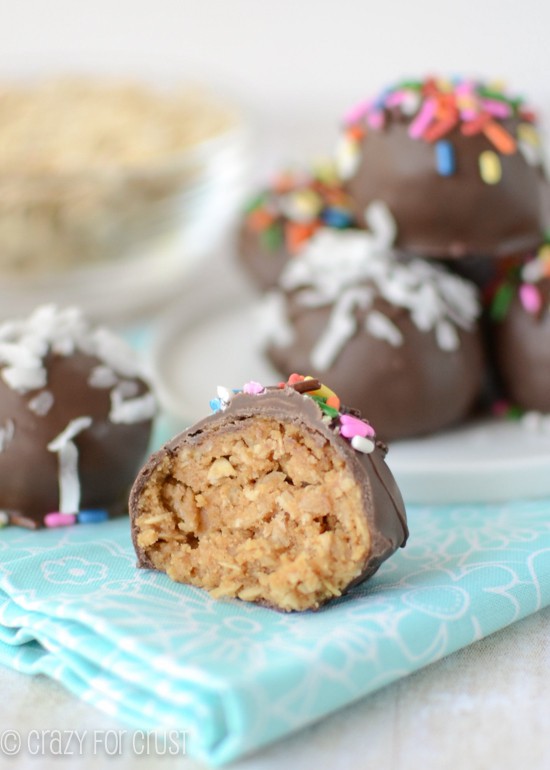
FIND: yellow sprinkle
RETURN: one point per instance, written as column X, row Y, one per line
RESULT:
column 497, row 85
column 528, row 133
column 323, row 391
column 544, row 252
column 445, row 86
column 325, row 171
column 489, row 167
column 307, row 202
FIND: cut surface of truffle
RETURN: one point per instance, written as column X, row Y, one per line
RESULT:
column 261, row 512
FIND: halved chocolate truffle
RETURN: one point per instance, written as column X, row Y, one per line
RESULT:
column 459, row 164
column 75, row 419
column 282, row 497
column 400, row 340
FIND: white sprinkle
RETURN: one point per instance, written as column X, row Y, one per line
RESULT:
column 532, row 271
column 6, row 434
column 41, row 403
column 363, row 444
column 530, row 153
column 347, row 157
column 224, row 394
column 380, row 326
column 4, row 519
column 102, row 377
column 535, row 422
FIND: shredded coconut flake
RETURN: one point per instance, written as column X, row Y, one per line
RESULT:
column 42, row 403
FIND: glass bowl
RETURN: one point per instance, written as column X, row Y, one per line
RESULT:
column 116, row 238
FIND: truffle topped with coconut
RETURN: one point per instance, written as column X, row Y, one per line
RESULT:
column 75, row 419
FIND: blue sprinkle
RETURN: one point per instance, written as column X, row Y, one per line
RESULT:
column 444, row 158
column 215, row 404
column 336, row 218
column 92, row 516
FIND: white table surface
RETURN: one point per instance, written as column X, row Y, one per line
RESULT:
column 486, row 706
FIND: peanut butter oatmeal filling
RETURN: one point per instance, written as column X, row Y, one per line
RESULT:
column 261, row 511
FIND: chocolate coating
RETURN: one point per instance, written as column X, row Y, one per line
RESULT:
column 521, row 346
column 407, row 390
column 264, row 265
column 382, row 502
column 453, row 216
column 108, row 453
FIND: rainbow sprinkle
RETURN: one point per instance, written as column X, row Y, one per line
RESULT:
column 435, row 107
column 295, row 206
column 525, row 282
column 349, row 425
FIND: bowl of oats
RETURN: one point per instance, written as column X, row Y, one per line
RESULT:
column 111, row 190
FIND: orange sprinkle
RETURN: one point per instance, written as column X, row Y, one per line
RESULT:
column 333, row 401
column 285, row 182
column 259, row 220
column 297, row 233
column 502, row 140
column 356, row 132
column 475, row 126
column 295, row 378
column 439, row 129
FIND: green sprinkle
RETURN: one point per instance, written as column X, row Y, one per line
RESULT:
column 514, row 413
column 330, row 410
column 272, row 238
column 255, row 203
column 501, row 301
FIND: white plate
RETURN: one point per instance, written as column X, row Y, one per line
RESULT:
column 208, row 341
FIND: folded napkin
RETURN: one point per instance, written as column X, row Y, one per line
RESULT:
column 235, row 676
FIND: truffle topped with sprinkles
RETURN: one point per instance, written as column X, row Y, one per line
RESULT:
column 458, row 161
column 280, row 219
column 520, row 311
column 75, row 419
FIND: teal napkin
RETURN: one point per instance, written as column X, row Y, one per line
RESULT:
column 235, row 676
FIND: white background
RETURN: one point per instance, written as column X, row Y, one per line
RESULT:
column 295, row 64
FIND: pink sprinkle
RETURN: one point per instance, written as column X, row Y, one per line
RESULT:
column 253, row 388
column 357, row 112
column 530, row 298
column 396, row 98
column 423, row 119
column 464, row 88
column 496, row 108
column 376, row 120
column 469, row 114
column 500, row 407
column 59, row 519
column 351, row 426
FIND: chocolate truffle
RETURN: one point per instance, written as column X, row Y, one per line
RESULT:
column 280, row 219
column 75, row 419
column 521, row 334
column 459, row 164
column 399, row 340
column 282, row 497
